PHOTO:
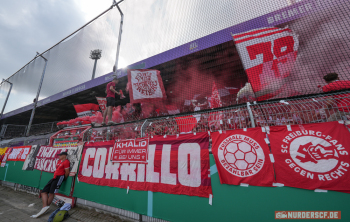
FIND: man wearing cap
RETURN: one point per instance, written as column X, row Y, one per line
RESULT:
column 52, row 187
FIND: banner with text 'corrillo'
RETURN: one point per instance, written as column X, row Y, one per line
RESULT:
column 176, row 165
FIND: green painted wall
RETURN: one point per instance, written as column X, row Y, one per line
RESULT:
column 2, row 173
column 135, row 201
column 15, row 174
column 65, row 187
column 230, row 203
column 236, row 203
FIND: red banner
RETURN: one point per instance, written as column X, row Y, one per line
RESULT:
column 175, row 165
column 243, row 157
column 130, row 151
column 268, row 56
column 102, row 102
column 86, row 109
column 18, row 153
column 312, row 156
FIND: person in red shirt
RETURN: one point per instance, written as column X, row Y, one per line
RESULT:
column 61, row 173
column 342, row 101
column 110, row 91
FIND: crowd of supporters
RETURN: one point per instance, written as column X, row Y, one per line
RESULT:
column 312, row 110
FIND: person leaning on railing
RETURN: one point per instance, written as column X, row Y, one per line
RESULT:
column 341, row 101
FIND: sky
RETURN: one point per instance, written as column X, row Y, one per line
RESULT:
column 150, row 27
column 30, row 26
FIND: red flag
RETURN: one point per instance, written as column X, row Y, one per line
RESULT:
column 86, row 109
column 121, row 94
column 215, row 98
column 215, row 118
column 268, row 56
column 243, row 157
column 146, row 85
column 186, row 123
column 312, row 156
column 102, row 102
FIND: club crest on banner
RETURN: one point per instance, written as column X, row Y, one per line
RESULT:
column 318, row 153
column 145, row 85
column 241, row 155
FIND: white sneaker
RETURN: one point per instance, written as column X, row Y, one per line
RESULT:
column 42, row 211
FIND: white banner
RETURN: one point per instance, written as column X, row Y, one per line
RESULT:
column 146, row 85
column 47, row 158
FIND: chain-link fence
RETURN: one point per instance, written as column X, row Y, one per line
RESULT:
column 12, row 131
column 43, row 128
column 9, row 131
column 121, row 131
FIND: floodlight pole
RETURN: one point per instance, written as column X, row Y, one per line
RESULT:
column 7, row 97
column 120, row 34
column 95, row 55
column 37, row 95
column 94, row 70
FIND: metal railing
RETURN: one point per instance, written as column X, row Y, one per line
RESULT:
column 9, row 131
column 43, row 128
column 310, row 109
column 12, row 131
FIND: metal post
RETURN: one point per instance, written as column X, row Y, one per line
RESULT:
column 37, row 96
column 120, row 35
column 7, row 97
column 53, row 123
column 250, row 114
column 142, row 129
column 94, row 70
